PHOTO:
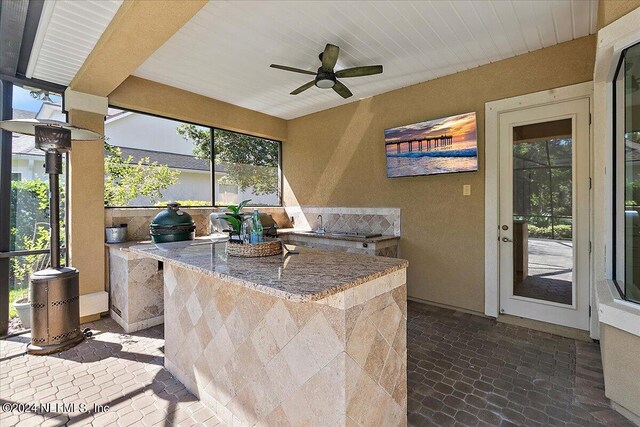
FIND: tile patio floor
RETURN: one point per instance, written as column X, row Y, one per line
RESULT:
column 466, row 370
column 112, row 368
column 463, row 370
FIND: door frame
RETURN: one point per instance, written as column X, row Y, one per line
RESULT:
column 492, row 173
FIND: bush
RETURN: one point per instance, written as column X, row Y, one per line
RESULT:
column 29, row 206
column 29, row 227
column 562, row 232
column 126, row 180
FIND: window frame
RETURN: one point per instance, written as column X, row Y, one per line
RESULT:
column 213, row 156
column 212, row 204
column 6, row 177
column 618, row 235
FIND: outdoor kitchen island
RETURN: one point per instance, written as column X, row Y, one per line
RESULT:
column 315, row 338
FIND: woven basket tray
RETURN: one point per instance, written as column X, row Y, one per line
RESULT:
column 268, row 248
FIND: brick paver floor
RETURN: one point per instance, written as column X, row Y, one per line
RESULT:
column 464, row 370
column 467, row 370
column 112, row 368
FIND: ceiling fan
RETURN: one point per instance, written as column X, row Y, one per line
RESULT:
column 326, row 78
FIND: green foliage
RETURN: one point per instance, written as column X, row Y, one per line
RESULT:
column 561, row 232
column 542, row 186
column 200, row 137
column 23, row 266
column 29, row 223
column 235, row 216
column 29, row 205
column 250, row 162
column 126, row 180
column 632, row 170
column 632, row 190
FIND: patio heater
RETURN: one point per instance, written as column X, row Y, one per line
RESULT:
column 54, row 292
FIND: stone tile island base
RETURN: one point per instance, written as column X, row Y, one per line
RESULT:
column 261, row 359
column 135, row 287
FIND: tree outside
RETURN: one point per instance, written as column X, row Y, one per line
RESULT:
column 542, row 187
column 126, row 180
column 250, row 163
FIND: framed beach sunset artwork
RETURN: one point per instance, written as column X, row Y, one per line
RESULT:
column 432, row 147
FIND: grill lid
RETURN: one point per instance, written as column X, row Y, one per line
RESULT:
column 172, row 218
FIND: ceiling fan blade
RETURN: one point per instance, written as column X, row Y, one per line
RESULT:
column 330, row 57
column 303, row 87
column 360, row 71
column 342, row 90
column 295, row 70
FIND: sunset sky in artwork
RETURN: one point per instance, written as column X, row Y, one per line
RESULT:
column 462, row 127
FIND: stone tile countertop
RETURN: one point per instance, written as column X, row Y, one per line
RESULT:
column 329, row 235
column 311, row 275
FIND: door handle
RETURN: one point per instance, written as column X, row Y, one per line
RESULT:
column 506, row 239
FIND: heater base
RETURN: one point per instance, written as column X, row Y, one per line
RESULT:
column 55, row 310
column 54, row 348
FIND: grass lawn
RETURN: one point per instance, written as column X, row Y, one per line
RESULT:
column 16, row 294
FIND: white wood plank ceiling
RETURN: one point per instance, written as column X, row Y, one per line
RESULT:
column 224, row 52
column 67, row 33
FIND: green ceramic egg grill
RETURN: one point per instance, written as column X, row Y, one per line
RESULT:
column 172, row 225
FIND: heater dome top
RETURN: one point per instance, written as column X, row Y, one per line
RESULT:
column 28, row 127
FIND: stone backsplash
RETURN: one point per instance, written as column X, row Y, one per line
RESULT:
column 139, row 219
column 385, row 221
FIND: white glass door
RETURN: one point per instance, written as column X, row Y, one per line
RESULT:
column 544, row 213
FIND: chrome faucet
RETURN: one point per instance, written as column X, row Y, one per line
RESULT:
column 320, row 228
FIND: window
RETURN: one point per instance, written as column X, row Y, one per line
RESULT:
column 25, row 201
column 246, row 167
column 627, row 163
column 150, row 161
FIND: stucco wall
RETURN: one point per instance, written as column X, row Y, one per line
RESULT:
column 336, row 158
column 155, row 98
column 620, row 352
column 86, row 204
column 610, row 10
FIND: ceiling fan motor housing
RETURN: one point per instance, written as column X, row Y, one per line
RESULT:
column 324, row 79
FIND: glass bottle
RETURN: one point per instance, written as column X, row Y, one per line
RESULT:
column 256, row 227
column 245, row 233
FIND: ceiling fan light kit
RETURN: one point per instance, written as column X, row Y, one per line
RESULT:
column 325, row 80
column 326, row 77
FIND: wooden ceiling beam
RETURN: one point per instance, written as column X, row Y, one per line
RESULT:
column 137, row 30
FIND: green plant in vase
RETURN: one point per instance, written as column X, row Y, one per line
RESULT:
column 235, row 217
